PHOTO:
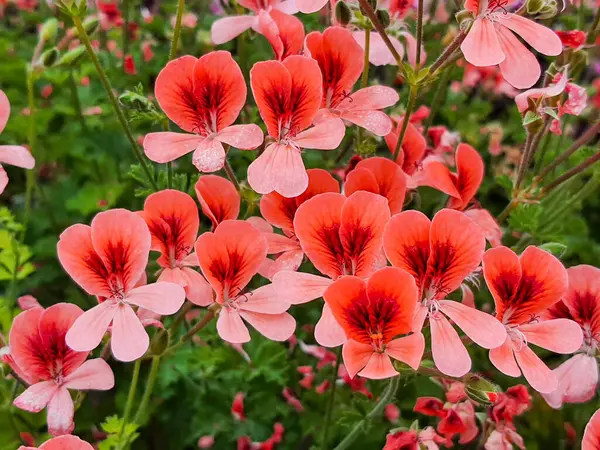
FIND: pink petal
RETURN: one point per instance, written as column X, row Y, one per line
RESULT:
column 197, row 289
column 326, row 135
column 468, row 298
column 277, row 327
column 265, row 299
column 520, row 68
column 310, row 6
column 356, row 356
column 15, row 155
column 60, row 413
column 4, row 110
column 228, row 28
column 379, row 367
column 551, row 91
column 279, row 243
column 370, row 98
column 485, row 330
column 165, row 147
column 411, row 49
column 537, row 374
column 377, row 122
column 481, row 46
column 129, row 339
column 244, row 137
column 93, row 374
column 503, row 359
column 379, row 54
column 287, row 6
column 174, row 275
column 557, row 335
column 577, row 381
column 328, row 331
column 449, row 353
column 209, row 156
column 36, row 397
column 296, row 288
column 89, row 328
column 3, row 179
column 419, row 320
column 280, row 169
column 231, row 328
column 162, row 298
column 543, row 39
column 408, row 349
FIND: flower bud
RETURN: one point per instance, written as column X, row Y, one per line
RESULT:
column 372, row 4
column 465, row 19
column 160, row 342
column 481, row 390
column 135, row 101
column 549, row 10
column 49, row 57
column 90, row 25
column 72, row 57
column 49, row 30
column 384, row 17
column 343, row 15
column 534, row 6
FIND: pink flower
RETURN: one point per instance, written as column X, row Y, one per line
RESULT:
column 491, row 41
column 147, row 52
column 107, row 259
column 288, row 95
column 47, row 90
column 229, row 258
column 172, row 218
column 392, row 413
column 206, row 442
column 292, row 400
column 487, row 223
column 591, row 436
column 67, row 442
column 523, row 288
column 15, row 155
column 28, row 302
column 43, row 360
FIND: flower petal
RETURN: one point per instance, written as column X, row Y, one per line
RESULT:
column 470, row 175
column 197, row 289
column 16, row 155
column 160, row 297
column 328, row 332
column 449, row 353
column 542, row 38
column 93, row 374
column 577, row 381
column 165, row 146
column 408, row 349
column 356, row 356
column 481, row 46
column 379, row 367
column 36, row 397
column 591, row 435
column 503, row 359
column 557, row 335
column 296, row 288
column 89, row 328
column 231, row 328
column 310, row 6
column 326, row 135
column 129, row 338
column 218, row 198
column 244, row 137
column 60, row 413
column 209, row 155
column 228, row 28
column 265, row 299
column 520, row 68
column 277, row 327
column 537, row 374
column 279, row 168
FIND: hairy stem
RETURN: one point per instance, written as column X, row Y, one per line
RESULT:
column 231, row 175
column 419, row 32
column 438, row 97
column 571, row 173
column 125, row 30
column 176, row 30
column 448, row 51
column 412, row 98
column 129, row 405
column 331, row 400
column 386, row 398
column 523, row 161
column 148, row 390
column 114, row 102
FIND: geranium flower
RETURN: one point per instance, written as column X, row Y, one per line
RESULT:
column 218, row 198
column 284, row 32
column 440, row 254
column 340, row 236
column 373, row 314
column 15, row 155
column 523, row 288
column 487, row 223
column 460, row 186
column 288, row 95
column 43, row 360
column 107, row 259
column 172, row 218
column 67, row 442
column 578, row 376
column 491, row 42
column 229, row 258
column 412, row 150
column 228, row 28
column 341, row 62
column 203, row 96
column 572, row 38
column 591, row 435
column 400, row 439
column 380, row 176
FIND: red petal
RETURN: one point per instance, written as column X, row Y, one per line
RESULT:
column 172, row 217
column 306, row 92
column 286, row 36
column 470, row 175
column 231, row 256
column 583, row 296
column 502, row 272
column 218, row 198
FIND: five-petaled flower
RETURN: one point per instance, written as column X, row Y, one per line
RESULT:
column 67, row 442
column 203, row 96
column 40, row 356
column 107, row 259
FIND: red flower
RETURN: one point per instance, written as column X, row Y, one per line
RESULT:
column 237, row 407
column 572, row 38
column 218, row 198
column 129, row 65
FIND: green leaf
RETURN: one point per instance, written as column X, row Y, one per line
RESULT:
column 556, row 248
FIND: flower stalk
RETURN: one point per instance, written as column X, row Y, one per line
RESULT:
column 331, row 400
column 130, row 399
column 412, row 98
column 148, row 390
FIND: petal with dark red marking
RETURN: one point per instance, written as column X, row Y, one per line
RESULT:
column 218, row 198
column 469, row 177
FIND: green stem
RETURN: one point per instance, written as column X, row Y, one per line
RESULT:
column 83, row 36
column 506, row 211
column 170, row 175
column 412, row 98
column 231, row 175
column 176, row 30
column 331, row 400
column 148, row 391
column 595, row 28
column 438, row 97
column 76, row 101
column 419, row 33
column 386, row 398
column 129, row 405
column 523, row 161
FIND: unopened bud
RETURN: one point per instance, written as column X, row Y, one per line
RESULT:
column 133, row 100
column 49, row 30
column 72, row 57
column 481, row 390
column 464, row 18
column 403, row 368
column 90, row 25
column 372, row 4
column 160, row 342
column 343, row 15
column 549, row 10
column 534, row 6
column 49, row 57
column 384, row 17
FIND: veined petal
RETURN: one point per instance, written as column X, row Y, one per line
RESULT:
column 449, row 353
column 265, row 300
column 377, row 122
column 197, row 289
column 166, row 146
column 328, row 332
column 379, row 367
column 481, row 47
column 537, row 374
column 93, row 374
column 520, row 68
column 244, row 137
column 557, row 335
column 310, row 6
column 89, row 328
column 543, row 39
column 129, row 338
column 503, row 359
column 228, row 28
column 160, row 297
column 209, row 155
column 277, row 327
column 231, row 328
column 60, row 413
column 356, row 356
column 296, row 288
column 591, row 436
column 469, row 177
column 326, row 135
column 16, row 155
column 369, row 99
column 36, row 397
column 408, row 349
column 218, row 198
